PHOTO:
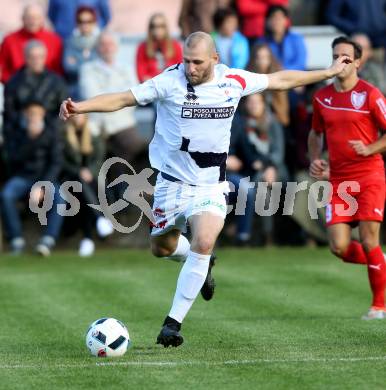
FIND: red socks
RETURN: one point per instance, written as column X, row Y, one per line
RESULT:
column 376, row 268
column 355, row 254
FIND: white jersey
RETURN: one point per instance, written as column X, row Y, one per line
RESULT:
column 192, row 131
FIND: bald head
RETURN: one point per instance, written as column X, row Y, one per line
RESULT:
column 202, row 40
column 33, row 17
column 108, row 46
column 200, row 58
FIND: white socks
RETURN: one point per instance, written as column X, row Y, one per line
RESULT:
column 189, row 283
column 182, row 250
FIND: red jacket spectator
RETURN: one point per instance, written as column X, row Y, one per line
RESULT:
column 147, row 67
column 12, row 47
column 252, row 13
column 12, row 51
column 159, row 51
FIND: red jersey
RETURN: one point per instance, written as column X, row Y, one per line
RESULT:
column 357, row 114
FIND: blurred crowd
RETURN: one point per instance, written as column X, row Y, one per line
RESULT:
column 78, row 57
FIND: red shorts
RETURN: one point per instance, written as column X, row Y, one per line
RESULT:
column 363, row 200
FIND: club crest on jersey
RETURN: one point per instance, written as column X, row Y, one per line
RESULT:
column 358, row 99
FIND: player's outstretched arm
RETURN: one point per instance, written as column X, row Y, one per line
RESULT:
column 287, row 79
column 102, row 103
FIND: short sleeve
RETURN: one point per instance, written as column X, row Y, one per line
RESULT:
column 317, row 119
column 250, row 82
column 378, row 108
column 156, row 88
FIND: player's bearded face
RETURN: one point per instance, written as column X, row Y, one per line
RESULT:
column 199, row 66
column 199, row 76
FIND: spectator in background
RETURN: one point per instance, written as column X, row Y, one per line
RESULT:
column 256, row 150
column 263, row 61
column 62, row 14
column 197, row 15
column 80, row 47
column 252, row 14
column 106, row 74
column 159, row 51
column 12, row 47
column 33, row 82
column 33, row 153
column 232, row 46
column 84, row 155
column 370, row 70
column 288, row 47
column 351, row 16
column 1, row 112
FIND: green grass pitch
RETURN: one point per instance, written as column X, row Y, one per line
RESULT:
column 280, row 319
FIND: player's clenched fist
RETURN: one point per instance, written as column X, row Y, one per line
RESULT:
column 360, row 148
column 68, row 109
column 319, row 169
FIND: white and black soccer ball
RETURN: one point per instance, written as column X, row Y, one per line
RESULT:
column 107, row 337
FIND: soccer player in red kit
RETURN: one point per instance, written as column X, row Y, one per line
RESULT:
column 349, row 113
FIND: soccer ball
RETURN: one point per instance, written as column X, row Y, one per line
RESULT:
column 107, row 337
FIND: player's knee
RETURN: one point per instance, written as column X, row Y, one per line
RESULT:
column 369, row 243
column 338, row 248
column 203, row 245
column 160, row 251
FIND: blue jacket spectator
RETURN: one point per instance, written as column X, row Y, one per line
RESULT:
column 81, row 47
column 288, row 47
column 62, row 14
column 352, row 16
column 232, row 46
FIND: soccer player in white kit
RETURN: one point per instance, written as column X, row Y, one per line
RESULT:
column 196, row 101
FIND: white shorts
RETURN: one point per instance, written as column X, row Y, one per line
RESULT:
column 175, row 202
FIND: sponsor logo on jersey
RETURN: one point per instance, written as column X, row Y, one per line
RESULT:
column 207, row 112
column 191, row 97
column 358, row 99
column 328, row 100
